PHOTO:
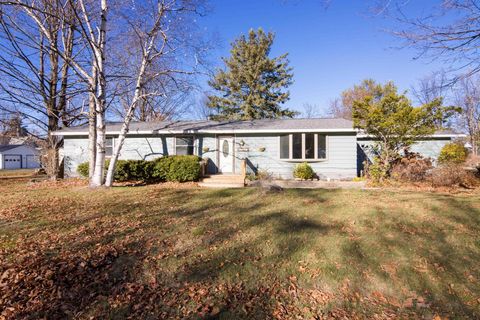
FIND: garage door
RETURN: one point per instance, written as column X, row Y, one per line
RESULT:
column 32, row 162
column 12, row 161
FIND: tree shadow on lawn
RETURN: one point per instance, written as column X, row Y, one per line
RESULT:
column 287, row 235
column 424, row 261
column 238, row 266
column 103, row 273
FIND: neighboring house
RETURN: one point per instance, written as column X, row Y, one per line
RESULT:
column 18, row 156
column 276, row 146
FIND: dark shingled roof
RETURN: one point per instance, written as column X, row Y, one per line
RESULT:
column 209, row 126
column 8, row 147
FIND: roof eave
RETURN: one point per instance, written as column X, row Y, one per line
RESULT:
column 232, row 131
column 440, row 135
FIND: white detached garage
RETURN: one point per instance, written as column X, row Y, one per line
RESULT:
column 18, row 156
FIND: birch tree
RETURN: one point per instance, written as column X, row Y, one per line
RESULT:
column 157, row 27
column 156, row 41
column 90, row 20
column 98, row 87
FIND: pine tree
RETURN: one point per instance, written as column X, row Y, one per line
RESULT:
column 252, row 86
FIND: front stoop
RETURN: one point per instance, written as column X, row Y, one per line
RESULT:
column 223, row 181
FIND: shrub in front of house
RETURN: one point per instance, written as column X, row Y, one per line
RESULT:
column 304, row 171
column 376, row 171
column 182, row 168
column 453, row 153
column 133, row 170
column 82, row 169
column 169, row 168
column 161, row 167
column 412, row 167
column 451, row 175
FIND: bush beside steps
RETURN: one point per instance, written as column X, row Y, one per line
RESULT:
column 169, row 168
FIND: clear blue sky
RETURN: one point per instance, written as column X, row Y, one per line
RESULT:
column 329, row 48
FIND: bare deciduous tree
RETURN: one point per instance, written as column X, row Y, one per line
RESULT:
column 435, row 85
column 310, row 111
column 448, row 31
column 467, row 97
column 342, row 106
column 36, row 83
column 158, row 35
column 89, row 19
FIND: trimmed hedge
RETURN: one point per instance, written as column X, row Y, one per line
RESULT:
column 177, row 168
column 170, row 168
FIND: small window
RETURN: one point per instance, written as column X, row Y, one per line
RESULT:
column 285, row 146
column 322, row 147
column 303, row 146
column 309, row 146
column 297, row 146
column 108, row 147
column 184, row 145
column 225, row 148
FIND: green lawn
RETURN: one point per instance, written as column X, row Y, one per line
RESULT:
column 183, row 252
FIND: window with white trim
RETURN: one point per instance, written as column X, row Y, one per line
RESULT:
column 303, row 146
column 108, row 147
column 184, row 145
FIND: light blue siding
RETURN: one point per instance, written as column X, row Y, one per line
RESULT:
column 146, row 147
column 430, row 148
column 340, row 162
column 261, row 151
column 206, row 146
column 75, row 151
column 427, row 148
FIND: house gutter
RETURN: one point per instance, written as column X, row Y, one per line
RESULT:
column 441, row 135
column 140, row 132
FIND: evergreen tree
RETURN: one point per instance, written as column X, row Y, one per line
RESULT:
column 253, row 85
column 395, row 123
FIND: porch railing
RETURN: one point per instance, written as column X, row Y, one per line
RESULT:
column 203, row 167
column 243, row 166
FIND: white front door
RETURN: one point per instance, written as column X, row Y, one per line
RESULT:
column 225, row 154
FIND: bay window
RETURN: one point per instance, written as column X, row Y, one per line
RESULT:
column 303, row 146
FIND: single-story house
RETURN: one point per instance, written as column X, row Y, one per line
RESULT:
column 18, row 156
column 331, row 146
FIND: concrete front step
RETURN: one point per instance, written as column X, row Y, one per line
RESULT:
column 223, row 181
column 221, row 185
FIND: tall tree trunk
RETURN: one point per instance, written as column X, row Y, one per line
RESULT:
column 128, row 118
column 146, row 60
column 52, row 109
column 92, row 124
column 99, row 171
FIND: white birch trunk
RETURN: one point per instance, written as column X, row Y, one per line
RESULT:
column 129, row 115
column 146, row 60
column 92, row 130
column 97, row 179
